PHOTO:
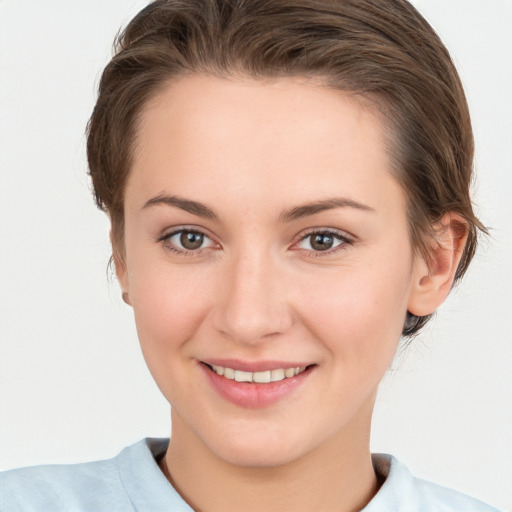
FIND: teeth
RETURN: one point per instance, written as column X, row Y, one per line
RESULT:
column 276, row 375
column 261, row 377
column 229, row 373
column 219, row 370
column 258, row 377
column 241, row 376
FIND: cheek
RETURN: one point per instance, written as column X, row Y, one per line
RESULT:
column 358, row 313
column 169, row 304
column 169, row 307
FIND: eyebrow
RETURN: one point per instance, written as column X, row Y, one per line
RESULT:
column 193, row 207
column 298, row 212
column 307, row 209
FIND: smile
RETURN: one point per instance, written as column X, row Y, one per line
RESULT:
column 258, row 388
column 263, row 377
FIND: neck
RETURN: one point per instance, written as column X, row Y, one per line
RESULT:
column 337, row 476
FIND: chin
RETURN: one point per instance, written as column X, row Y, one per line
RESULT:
column 251, row 449
column 257, row 456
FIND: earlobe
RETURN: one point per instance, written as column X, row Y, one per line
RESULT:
column 120, row 269
column 433, row 280
column 122, row 277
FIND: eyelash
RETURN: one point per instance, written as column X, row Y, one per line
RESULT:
column 336, row 235
column 165, row 240
column 343, row 239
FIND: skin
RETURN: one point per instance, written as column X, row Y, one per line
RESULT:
column 257, row 289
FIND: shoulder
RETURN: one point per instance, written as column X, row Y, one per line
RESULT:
column 62, row 487
column 403, row 492
column 130, row 481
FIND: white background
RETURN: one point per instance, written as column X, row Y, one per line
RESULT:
column 73, row 384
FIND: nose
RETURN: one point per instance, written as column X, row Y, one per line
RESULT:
column 253, row 306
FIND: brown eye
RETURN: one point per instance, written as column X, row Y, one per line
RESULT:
column 187, row 242
column 191, row 240
column 321, row 241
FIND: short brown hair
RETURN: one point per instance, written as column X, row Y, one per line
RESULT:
column 383, row 50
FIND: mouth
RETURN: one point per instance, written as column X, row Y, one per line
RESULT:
column 269, row 384
column 261, row 377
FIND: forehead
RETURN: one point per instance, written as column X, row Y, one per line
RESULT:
column 259, row 137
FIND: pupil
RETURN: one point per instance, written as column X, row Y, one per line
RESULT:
column 190, row 240
column 322, row 242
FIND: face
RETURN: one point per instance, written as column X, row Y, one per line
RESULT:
column 265, row 236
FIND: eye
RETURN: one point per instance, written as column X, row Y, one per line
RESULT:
column 187, row 240
column 322, row 241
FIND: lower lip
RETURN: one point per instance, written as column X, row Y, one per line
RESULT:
column 254, row 396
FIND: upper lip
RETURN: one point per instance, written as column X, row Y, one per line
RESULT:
column 254, row 366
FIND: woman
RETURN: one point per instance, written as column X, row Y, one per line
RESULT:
column 288, row 190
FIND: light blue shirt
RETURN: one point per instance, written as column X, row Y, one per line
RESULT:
column 132, row 481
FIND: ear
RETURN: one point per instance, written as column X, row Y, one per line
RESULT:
column 433, row 279
column 120, row 269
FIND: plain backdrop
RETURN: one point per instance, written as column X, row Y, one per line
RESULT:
column 73, row 383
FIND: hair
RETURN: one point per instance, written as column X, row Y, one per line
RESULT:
column 381, row 50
